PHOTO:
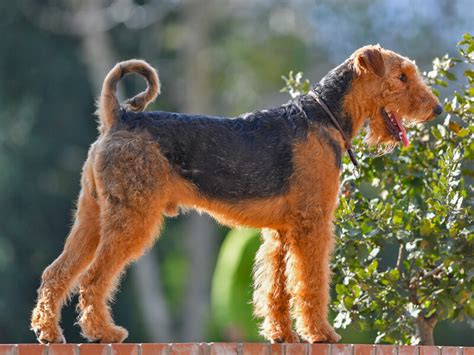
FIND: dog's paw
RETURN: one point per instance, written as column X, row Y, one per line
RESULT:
column 115, row 334
column 332, row 336
column 293, row 337
column 111, row 334
column 45, row 327
column 48, row 335
column 324, row 335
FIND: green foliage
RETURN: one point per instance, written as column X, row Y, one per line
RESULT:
column 423, row 207
column 231, row 292
column 405, row 245
column 293, row 84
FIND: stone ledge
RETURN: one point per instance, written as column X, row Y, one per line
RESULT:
column 229, row 349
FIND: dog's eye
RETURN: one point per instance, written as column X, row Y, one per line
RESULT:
column 403, row 78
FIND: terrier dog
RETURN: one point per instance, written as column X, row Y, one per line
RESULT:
column 275, row 169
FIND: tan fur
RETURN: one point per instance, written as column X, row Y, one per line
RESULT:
column 128, row 185
column 108, row 102
column 413, row 100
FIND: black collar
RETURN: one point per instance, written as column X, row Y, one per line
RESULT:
column 347, row 141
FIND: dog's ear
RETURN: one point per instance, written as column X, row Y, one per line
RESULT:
column 369, row 58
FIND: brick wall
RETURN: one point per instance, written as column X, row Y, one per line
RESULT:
column 228, row 348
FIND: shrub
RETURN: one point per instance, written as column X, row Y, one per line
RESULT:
column 405, row 247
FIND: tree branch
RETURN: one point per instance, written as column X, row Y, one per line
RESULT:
column 425, row 328
column 401, row 252
column 435, row 271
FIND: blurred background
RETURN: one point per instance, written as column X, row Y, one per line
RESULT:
column 214, row 57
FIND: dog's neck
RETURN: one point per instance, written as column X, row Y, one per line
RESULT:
column 332, row 89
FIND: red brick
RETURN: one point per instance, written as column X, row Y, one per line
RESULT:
column 256, row 349
column 7, row 349
column 386, row 350
column 278, row 349
column 451, row 350
column 31, row 349
column 319, row 349
column 341, row 349
column 205, row 348
column 224, row 348
column 295, row 349
column 228, row 349
column 94, row 349
column 185, row 349
column 155, row 349
column 63, row 349
column 429, row 350
column 124, row 349
column 364, row 349
column 407, row 350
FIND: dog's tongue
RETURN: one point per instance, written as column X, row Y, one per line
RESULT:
column 403, row 132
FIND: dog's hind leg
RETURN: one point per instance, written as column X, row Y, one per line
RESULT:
column 126, row 231
column 271, row 299
column 59, row 278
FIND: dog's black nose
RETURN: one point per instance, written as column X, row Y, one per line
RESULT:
column 438, row 109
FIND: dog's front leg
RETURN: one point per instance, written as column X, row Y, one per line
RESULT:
column 310, row 244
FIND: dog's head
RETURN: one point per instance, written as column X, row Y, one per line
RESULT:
column 390, row 92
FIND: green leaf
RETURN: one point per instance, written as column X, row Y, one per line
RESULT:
column 451, row 76
column 394, row 275
column 372, row 267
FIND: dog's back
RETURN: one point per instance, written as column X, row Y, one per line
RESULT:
column 226, row 158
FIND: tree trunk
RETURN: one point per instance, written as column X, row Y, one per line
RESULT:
column 146, row 275
column 425, row 328
column 201, row 231
column 201, row 250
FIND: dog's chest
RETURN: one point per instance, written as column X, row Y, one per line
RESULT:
column 227, row 159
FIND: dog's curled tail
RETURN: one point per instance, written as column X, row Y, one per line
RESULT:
column 109, row 106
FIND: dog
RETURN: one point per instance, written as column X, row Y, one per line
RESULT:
column 275, row 169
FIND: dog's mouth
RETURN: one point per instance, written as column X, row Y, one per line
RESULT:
column 395, row 126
